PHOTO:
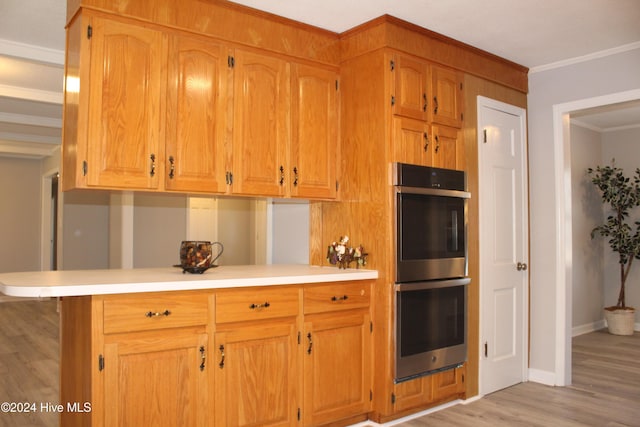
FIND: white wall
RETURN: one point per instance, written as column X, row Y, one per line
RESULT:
column 597, row 77
column 588, row 292
column 19, row 214
column 290, row 233
column 624, row 147
column 159, row 225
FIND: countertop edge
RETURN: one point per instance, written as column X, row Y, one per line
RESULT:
column 48, row 284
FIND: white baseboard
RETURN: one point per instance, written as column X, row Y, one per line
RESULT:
column 542, row 377
column 587, row 328
column 410, row 417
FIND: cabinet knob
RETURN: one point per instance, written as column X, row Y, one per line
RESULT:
column 259, row 306
column 158, row 313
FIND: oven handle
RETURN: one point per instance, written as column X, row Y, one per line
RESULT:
column 433, row 284
column 432, row 192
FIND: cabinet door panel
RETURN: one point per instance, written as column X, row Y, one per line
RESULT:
column 446, row 107
column 127, row 69
column 196, row 116
column 413, row 393
column 314, row 126
column 261, row 128
column 156, row 380
column 447, row 148
column 337, row 367
column 411, row 79
column 411, row 142
column 257, row 376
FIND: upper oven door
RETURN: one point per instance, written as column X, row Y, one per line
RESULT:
column 431, row 233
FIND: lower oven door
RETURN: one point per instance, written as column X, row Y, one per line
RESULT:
column 431, row 326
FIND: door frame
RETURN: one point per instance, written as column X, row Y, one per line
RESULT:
column 563, row 220
column 521, row 113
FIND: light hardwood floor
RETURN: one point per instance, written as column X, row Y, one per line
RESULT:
column 605, row 389
column 605, row 392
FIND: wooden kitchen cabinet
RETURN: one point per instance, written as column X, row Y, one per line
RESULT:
column 447, row 97
column 138, row 359
column 447, row 150
column 285, row 133
column 157, row 378
column 412, row 394
column 126, row 87
column 196, row 119
column 411, row 87
column 257, row 354
column 449, row 383
column 260, row 124
column 314, row 132
column 337, row 352
column 412, row 142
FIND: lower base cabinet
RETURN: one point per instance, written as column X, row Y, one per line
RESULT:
column 429, row 390
column 337, row 366
column 256, row 381
column 295, row 355
column 156, row 379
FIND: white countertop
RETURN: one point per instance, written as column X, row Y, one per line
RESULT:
column 43, row 284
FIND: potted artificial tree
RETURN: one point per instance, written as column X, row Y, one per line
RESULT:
column 622, row 194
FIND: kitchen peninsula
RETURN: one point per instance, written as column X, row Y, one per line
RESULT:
column 260, row 345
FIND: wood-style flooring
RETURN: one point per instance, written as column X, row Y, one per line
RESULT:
column 605, row 392
column 605, row 389
column 29, row 370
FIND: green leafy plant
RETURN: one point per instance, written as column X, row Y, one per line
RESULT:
column 622, row 194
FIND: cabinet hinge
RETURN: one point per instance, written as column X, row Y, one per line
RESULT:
column 299, row 414
column 484, row 136
column 461, row 86
column 100, row 363
column 299, row 335
column 463, row 378
column 371, row 326
column 370, row 395
column 337, row 185
column 231, row 61
column 393, row 398
column 462, row 117
column 337, row 85
column 392, row 65
column 85, row 168
column 89, row 31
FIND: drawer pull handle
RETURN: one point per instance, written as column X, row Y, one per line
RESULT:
column 203, row 358
column 221, row 364
column 310, row 343
column 342, row 298
column 258, row 306
column 158, row 313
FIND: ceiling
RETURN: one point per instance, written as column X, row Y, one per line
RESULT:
column 538, row 34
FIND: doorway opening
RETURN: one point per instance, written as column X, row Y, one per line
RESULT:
column 564, row 265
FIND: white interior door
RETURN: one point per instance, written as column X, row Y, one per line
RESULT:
column 503, row 245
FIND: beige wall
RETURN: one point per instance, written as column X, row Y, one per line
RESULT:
column 19, row 214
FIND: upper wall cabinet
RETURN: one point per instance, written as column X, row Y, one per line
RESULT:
column 126, row 86
column 260, row 124
column 426, row 91
column 198, row 81
column 314, row 132
column 285, row 133
column 411, row 78
column 447, row 100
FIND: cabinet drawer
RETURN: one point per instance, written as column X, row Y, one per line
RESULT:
column 238, row 305
column 154, row 311
column 336, row 296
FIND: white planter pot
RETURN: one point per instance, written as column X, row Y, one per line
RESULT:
column 620, row 321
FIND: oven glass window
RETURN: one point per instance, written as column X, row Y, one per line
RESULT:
column 430, row 319
column 430, row 227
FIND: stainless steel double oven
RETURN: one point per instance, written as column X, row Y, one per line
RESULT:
column 431, row 269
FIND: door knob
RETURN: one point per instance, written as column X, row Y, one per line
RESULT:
column 521, row 266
